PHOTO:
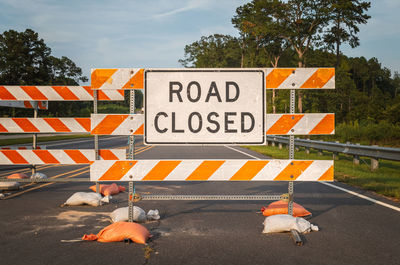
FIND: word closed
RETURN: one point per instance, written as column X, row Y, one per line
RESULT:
column 204, row 106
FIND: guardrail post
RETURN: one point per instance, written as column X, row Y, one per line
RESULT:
column 356, row 158
column 374, row 162
column 320, row 152
column 307, row 149
column 280, row 145
column 335, row 155
column 273, row 143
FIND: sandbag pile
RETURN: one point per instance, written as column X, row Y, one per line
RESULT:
column 39, row 175
column 18, row 176
column 284, row 223
column 139, row 215
column 9, row 185
column 14, row 185
column 108, row 190
column 281, row 207
column 89, row 198
column 121, row 231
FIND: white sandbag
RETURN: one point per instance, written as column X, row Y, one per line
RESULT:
column 39, row 175
column 284, row 223
column 2, row 196
column 153, row 215
column 9, row 185
column 81, row 198
column 122, row 215
column 106, row 199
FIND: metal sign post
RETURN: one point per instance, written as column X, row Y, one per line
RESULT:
column 96, row 137
column 291, row 152
column 34, row 144
column 131, row 156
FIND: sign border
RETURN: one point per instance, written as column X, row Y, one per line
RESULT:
column 206, row 71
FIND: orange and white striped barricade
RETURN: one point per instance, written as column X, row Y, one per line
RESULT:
column 300, row 124
column 300, row 78
column 212, row 170
column 122, row 78
column 276, row 78
column 57, row 93
column 117, row 124
column 42, row 105
column 68, row 156
column 44, row 125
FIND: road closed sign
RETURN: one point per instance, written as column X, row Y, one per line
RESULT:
column 204, row 106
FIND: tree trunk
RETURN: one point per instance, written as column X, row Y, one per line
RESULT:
column 300, row 94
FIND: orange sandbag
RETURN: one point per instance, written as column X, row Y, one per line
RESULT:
column 107, row 190
column 18, row 176
column 281, row 207
column 119, row 231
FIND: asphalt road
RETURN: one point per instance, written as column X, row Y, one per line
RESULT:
column 352, row 230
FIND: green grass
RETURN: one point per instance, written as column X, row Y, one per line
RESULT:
column 384, row 181
column 28, row 140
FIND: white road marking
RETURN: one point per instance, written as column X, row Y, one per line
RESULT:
column 336, row 187
column 362, row 196
column 241, row 152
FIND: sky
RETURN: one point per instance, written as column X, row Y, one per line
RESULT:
column 137, row 33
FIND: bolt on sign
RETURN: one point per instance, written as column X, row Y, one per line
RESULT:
column 204, row 106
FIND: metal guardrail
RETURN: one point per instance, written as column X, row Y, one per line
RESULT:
column 348, row 148
column 356, row 150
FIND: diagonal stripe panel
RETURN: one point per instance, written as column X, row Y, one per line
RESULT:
column 56, row 93
column 214, row 170
column 301, row 124
column 161, row 170
column 249, row 170
column 53, row 156
column 293, row 170
column 300, row 78
column 284, row 124
column 25, row 124
column 117, row 124
column 44, row 125
column 34, row 92
column 205, row 170
column 118, row 170
column 325, row 126
column 122, row 78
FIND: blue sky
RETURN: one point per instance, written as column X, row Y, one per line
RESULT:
column 137, row 33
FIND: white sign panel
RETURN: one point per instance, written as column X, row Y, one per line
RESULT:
column 204, row 106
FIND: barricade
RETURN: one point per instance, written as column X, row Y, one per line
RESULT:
column 237, row 116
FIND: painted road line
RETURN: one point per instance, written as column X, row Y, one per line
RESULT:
column 363, row 197
column 339, row 188
column 46, row 184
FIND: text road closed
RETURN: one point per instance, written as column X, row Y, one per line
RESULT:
column 208, row 106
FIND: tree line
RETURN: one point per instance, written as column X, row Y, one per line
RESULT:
column 307, row 33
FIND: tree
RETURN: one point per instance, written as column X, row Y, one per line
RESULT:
column 25, row 59
column 256, row 22
column 345, row 16
column 212, row 51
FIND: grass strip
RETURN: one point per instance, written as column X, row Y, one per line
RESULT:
column 28, row 140
column 385, row 180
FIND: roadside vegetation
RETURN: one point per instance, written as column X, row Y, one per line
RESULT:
column 384, row 181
